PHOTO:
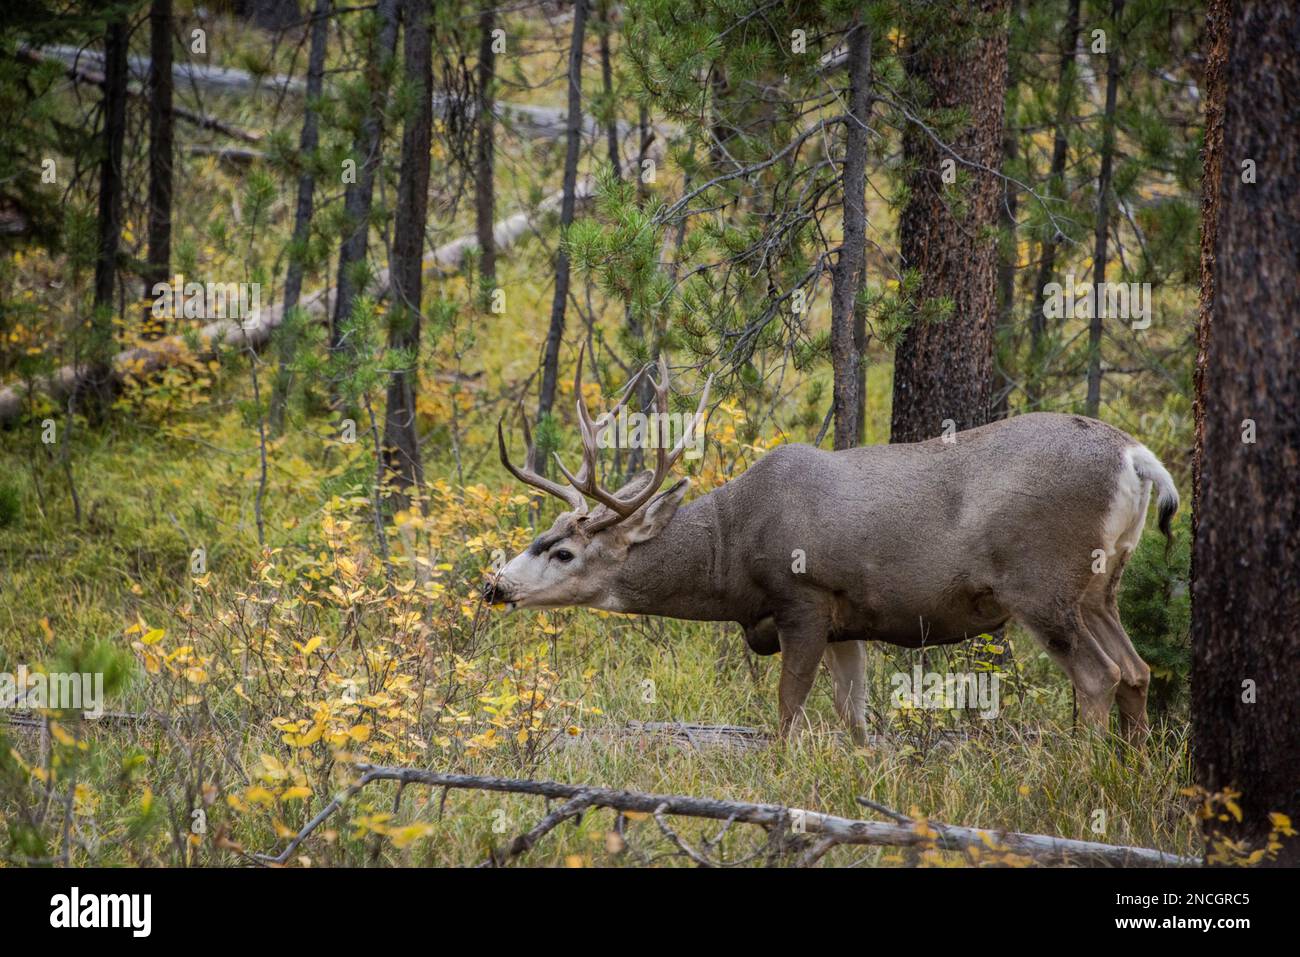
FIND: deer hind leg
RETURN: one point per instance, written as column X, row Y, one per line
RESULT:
column 803, row 641
column 847, row 661
column 1101, row 610
column 1069, row 642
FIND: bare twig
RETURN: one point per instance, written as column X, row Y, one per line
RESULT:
column 676, row 838
column 524, row 842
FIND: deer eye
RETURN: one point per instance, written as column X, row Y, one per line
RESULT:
column 563, row 555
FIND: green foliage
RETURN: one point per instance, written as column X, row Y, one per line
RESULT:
column 1155, row 606
column 10, row 504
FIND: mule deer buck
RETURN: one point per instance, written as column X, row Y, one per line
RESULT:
column 1031, row 518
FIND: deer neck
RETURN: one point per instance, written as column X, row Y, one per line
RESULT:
column 681, row 572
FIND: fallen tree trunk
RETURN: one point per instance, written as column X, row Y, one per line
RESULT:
column 235, row 155
column 828, row 829
column 83, row 74
column 200, row 75
column 255, row 332
column 527, row 120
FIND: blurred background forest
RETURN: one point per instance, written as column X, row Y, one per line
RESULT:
column 271, row 271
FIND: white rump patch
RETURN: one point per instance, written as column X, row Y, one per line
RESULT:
column 1127, row 513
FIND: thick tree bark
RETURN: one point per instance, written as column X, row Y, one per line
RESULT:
column 573, row 144
column 1007, row 266
column 1211, row 83
column 358, row 196
column 1104, row 203
column 308, row 140
column 98, row 383
column 1246, row 587
column 944, row 370
column 1009, row 258
column 160, row 146
column 847, row 345
column 401, row 442
column 485, row 147
column 1056, row 188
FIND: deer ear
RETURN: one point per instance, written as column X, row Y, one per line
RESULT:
column 651, row 520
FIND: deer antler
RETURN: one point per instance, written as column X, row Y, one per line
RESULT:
column 529, row 474
column 585, row 481
column 585, row 484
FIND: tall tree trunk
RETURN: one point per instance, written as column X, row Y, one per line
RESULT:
column 848, row 273
column 573, row 143
column 607, row 82
column 944, row 370
column 1246, row 590
column 99, row 382
column 308, row 140
column 358, row 196
column 160, row 148
column 1104, row 203
column 642, row 146
column 1055, row 188
column 1009, row 258
column 401, row 442
column 485, row 147
column 1212, row 87
column 1007, row 265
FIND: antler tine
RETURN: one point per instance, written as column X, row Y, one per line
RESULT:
column 529, row 475
column 592, row 429
column 697, row 420
column 585, row 426
column 664, row 460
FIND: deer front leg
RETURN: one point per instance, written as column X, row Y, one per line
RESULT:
column 803, row 642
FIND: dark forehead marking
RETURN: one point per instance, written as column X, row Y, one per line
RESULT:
column 544, row 542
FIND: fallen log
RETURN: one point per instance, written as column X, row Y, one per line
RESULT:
column 255, row 332
column 525, row 119
column 201, row 75
column 82, row 74
column 235, row 155
column 827, row 829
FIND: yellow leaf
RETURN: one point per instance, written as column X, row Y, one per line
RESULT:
column 153, row 637
column 272, row 767
column 259, row 795
column 60, row 735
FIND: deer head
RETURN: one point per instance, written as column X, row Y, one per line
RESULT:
column 577, row 561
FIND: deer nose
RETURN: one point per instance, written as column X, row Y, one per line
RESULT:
column 493, row 593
